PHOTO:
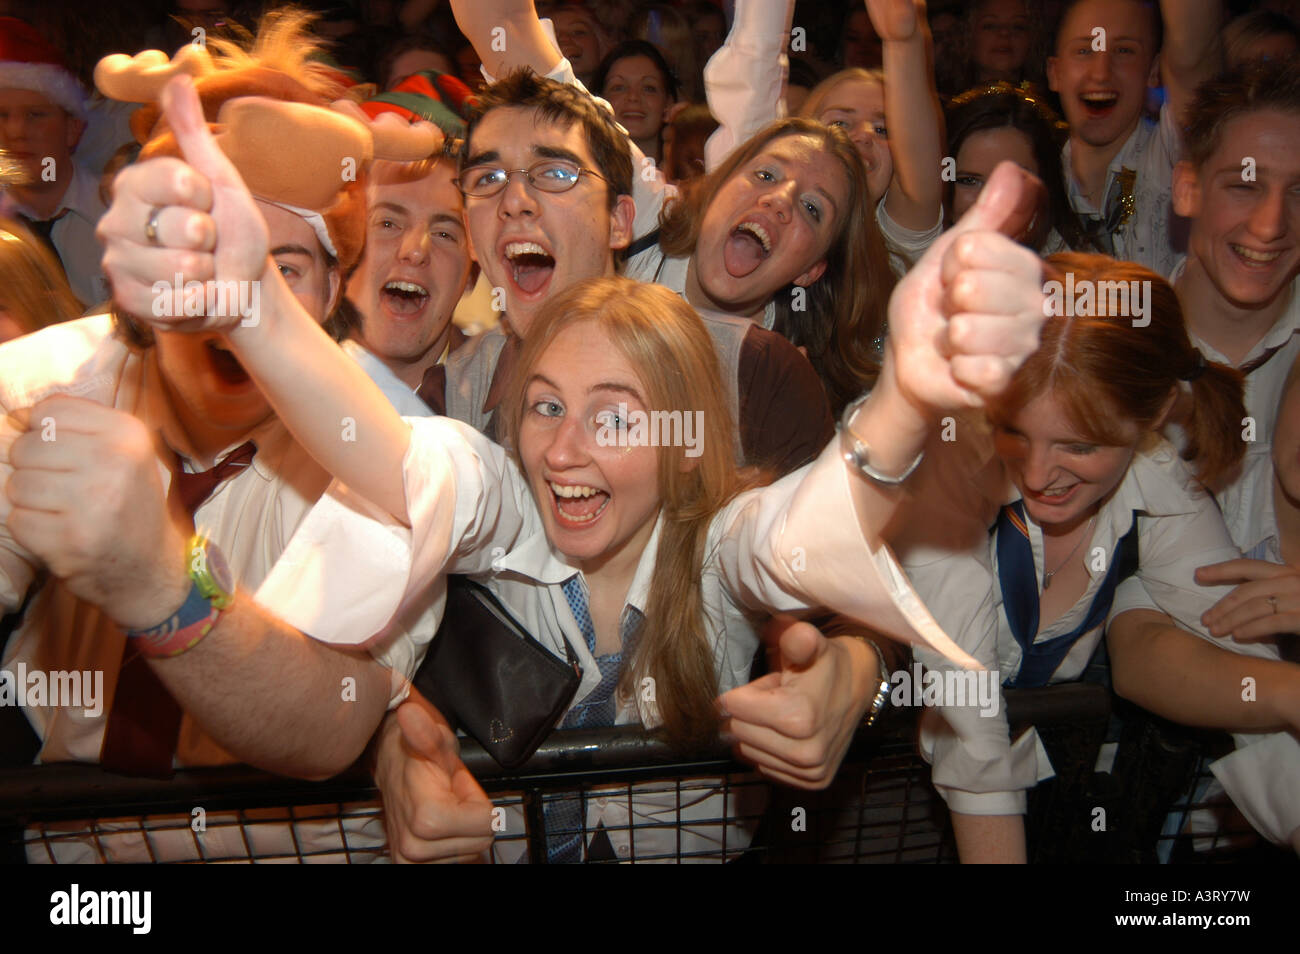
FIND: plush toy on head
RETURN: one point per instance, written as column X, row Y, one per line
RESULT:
column 279, row 116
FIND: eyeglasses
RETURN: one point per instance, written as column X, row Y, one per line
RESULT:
column 547, row 175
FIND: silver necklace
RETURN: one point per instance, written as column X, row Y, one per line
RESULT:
column 1047, row 577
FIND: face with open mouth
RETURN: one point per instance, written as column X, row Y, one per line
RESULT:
column 1103, row 91
column 1063, row 477
column 596, row 502
column 1246, row 234
column 415, row 267
column 858, row 107
column 534, row 244
column 212, row 395
column 769, row 225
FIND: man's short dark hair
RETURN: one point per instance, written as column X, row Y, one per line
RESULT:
column 1247, row 89
column 565, row 105
column 1152, row 7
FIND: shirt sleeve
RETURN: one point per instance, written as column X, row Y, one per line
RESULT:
column 785, row 419
column 798, row 544
column 744, row 79
column 353, row 576
column 1170, row 548
column 905, row 246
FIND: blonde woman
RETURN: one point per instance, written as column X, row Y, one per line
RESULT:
column 33, row 291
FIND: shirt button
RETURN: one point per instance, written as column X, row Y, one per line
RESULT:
column 623, row 850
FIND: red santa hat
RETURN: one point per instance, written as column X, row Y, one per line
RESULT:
column 28, row 61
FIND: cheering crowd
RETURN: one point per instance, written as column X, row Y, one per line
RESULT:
column 350, row 348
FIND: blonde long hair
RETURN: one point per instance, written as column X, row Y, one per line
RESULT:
column 32, row 287
column 666, row 342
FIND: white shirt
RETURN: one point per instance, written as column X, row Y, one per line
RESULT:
column 1151, row 150
column 250, row 517
column 905, row 246
column 351, row 571
column 400, row 394
column 1263, row 775
column 73, row 236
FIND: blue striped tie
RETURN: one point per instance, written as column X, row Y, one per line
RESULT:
column 564, row 813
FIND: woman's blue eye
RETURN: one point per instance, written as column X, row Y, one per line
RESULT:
column 763, row 175
column 881, row 130
column 611, row 419
column 549, row 408
column 815, row 212
column 1082, row 448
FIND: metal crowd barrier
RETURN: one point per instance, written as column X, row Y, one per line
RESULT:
column 881, row 808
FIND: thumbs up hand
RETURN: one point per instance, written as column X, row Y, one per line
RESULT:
column 190, row 216
column 434, row 810
column 969, row 313
column 796, row 723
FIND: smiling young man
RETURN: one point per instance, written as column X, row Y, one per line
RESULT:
column 416, row 263
column 413, row 271
column 1239, row 186
column 1118, row 165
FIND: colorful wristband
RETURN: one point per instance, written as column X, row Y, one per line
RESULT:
column 182, row 631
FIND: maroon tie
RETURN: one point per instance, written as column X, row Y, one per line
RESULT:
column 144, row 721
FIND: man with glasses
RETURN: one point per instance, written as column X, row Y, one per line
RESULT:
column 547, row 179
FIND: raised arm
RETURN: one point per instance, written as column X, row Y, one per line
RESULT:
column 210, row 229
column 743, row 80
column 912, row 113
column 1192, row 50
column 507, row 35
column 960, row 324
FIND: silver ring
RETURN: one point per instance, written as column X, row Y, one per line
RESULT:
column 1272, row 601
column 151, row 225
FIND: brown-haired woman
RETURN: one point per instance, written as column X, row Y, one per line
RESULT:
column 782, row 233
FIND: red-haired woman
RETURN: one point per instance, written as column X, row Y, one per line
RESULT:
column 1098, row 526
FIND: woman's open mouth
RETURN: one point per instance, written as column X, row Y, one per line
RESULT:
column 578, row 504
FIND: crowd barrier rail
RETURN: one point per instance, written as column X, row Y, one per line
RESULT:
column 1151, row 805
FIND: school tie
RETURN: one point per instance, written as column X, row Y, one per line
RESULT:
column 1116, row 211
column 1018, row 580
column 144, row 722
column 564, row 813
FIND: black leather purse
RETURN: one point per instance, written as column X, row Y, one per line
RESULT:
column 488, row 676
